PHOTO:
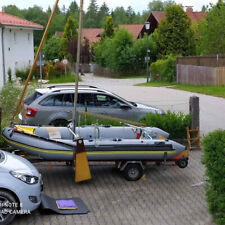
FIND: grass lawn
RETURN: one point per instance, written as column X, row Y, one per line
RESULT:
column 157, row 84
column 218, row 91
column 70, row 78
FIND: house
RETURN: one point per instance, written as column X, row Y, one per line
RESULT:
column 134, row 29
column 156, row 17
column 16, row 44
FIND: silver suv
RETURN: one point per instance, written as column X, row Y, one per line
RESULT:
column 54, row 105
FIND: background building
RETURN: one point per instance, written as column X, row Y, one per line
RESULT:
column 16, row 44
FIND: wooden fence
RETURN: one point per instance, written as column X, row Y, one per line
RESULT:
column 208, row 61
column 201, row 70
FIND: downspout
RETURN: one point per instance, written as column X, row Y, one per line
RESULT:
column 3, row 56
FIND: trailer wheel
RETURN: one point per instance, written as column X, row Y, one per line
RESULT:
column 182, row 163
column 8, row 205
column 133, row 172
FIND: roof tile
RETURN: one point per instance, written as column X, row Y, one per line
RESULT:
column 9, row 20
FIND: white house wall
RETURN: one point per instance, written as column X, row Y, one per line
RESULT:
column 1, row 60
column 18, row 48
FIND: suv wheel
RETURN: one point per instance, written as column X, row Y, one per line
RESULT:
column 133, row 172
column 59, row 123
column 8, row 204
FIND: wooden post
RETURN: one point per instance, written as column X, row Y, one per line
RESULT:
column 193, row 134
column 74, row 119
column 194, row 112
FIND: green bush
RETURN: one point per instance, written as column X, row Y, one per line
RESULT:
column 9, row 96
column 173, row 123
column 122, row 53
column 23, row 73
column 51, row 71
column 164, row 69
column 214, row 160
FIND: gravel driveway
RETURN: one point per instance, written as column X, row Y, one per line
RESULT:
column 212, row 109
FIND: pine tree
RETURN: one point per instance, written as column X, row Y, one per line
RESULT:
column 70, row 31
column 91, row 17
column 109, row 27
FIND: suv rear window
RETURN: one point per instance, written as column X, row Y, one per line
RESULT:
column 32, row 97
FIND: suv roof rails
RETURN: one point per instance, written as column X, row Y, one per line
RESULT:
column 69, row 85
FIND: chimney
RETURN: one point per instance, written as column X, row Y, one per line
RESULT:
column 189, row 8
column 3, row 10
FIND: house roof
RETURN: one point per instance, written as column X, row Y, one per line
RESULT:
column 194, row 16
column 9, row 20
column 135, row 29
column 92, row 34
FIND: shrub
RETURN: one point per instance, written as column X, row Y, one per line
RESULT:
column 60, row 69
column 214, row 160
column 9, row 96
column 36, row 72
column 164, row 69
column 9, row 74
column 51, row 71
column 122, row 53
column 23, row 73
column 173, row 123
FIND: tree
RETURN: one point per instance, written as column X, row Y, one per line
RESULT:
column 51, row 48
column 91, row 17
column 102, row 14
column 175, row 35
column 73, row 11
column 120, row 52
column 119, row 16
column 70, row 31
column 109, row 27
column 37, row 15
column 212, row 31
column 14, row 10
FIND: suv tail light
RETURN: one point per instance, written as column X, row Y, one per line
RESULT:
column 31, row 112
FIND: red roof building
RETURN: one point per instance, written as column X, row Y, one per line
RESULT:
column 135, row 29
column 9, row 20
column 156, row 17
column 93, row 35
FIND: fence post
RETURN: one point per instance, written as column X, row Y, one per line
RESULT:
column 194, row 111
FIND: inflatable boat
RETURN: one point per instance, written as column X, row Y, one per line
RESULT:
column 101, row 143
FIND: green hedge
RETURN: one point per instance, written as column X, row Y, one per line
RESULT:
column 173, row 123
column 122, row 53
column 214, row 160
column 164, row 69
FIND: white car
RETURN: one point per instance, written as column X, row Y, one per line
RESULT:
column 20, row 187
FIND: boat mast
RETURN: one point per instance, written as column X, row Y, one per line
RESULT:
column 74, row 120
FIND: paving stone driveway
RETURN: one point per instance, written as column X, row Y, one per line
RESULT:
column 164, row 197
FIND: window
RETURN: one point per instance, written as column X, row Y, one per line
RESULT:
column 54, row 100
column 68, row 99
column 85, row 99
column 107, row 101
column 32, row 97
